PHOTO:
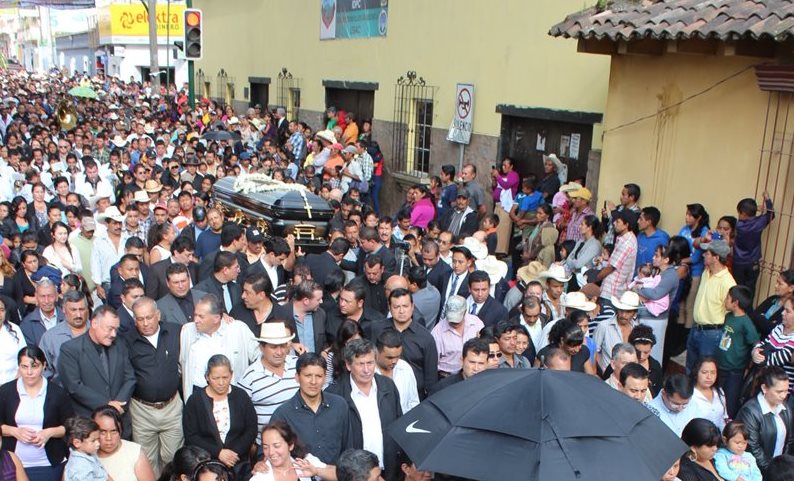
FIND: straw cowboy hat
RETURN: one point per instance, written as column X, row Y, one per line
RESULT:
column 570, row 187
column 152, row 186
column 496, row 269
column 326, row 135
column 556, row 272
column 530, row 272
column 141, row 197
column 577, row 300
column 274, row 333
column 629, row 301
column 111, row 213
column 477, row 248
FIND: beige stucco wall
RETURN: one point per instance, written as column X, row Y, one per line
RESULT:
column 502, row 47
column 706, row 150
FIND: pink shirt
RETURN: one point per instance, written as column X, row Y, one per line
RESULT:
column 422, row 213
column 449, row 342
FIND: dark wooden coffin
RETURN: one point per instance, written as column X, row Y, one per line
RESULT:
column 277, row 213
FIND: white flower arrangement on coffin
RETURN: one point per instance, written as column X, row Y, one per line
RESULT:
column 259, row 183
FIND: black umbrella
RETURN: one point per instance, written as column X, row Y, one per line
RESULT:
column 539, row 425
column 218, row 135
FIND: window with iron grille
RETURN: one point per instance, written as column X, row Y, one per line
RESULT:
column 289, row 93
column 412, row 125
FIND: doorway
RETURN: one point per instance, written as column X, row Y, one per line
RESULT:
column 360, row 102
column 526, row 139
column 260, row 94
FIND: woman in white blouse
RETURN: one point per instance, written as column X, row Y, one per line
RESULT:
column 60, row 254
column 11, row 342
column 708, row 400
column 286, row 459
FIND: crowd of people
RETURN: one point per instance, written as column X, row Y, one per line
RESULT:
column 147, row 336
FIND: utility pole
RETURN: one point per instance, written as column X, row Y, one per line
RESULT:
column 154, row 66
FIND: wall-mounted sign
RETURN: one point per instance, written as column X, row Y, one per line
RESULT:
column 353, row 19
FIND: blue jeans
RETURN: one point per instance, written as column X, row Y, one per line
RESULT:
column 374, row 193
column 700, row 344
column 731, row 383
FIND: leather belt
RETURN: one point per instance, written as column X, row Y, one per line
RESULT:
column 156, row 405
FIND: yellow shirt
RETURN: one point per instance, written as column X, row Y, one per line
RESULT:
column 710, row 301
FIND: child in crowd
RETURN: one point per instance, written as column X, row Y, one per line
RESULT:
column 647, row 278
column 739, row 335
column 489, row 225
column 732, row 460
column 747, row 246
column 83, row 439
column 526, row 206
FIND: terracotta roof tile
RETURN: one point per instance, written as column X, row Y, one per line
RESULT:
column 682, row 19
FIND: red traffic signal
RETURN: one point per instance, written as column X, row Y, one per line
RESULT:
column 193, row 34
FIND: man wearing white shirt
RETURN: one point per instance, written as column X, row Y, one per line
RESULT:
column 208, row 335
column 530, row 319
column 374, row 403
column 672, row 403
column 390, row 349
column 108, row 249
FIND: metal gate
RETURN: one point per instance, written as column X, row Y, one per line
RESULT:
column 288, row 90
column 414, row 103
column 776, row 176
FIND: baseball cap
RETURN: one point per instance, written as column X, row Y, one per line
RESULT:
column 254, row 235
column 463, row 193
column 456, row 309
column 719, row 248
column 88, row 224
column 151, row 153
column 350, row 149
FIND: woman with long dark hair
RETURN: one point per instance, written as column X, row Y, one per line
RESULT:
column 334, row 356
column 665, row 261
column 60, row 254
column 708, row 399
column 695, row 228
column 32, row 416
column 160, row 238
column 769, row 313
column 584, row 251
column 24, row 289
column 766, row 416
column 186, row 460
column 11, row 341
column 19, row 219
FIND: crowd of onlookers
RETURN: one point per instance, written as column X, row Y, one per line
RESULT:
column 148, row 335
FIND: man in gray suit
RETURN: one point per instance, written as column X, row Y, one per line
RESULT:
column 305, row 318
column 177, row 306
column 95, row 369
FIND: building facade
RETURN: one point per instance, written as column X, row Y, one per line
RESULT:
column 697, row 110
column 399, row 64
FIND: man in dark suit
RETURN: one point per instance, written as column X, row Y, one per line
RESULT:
column 279, row 259
column 351, row 307
column 182, row 250
column 481, row 303
column 305, row 318
column 456, row 283
column 462, row 221
column 226, row 269
column 373, row 279
column 356, row 388
column 46, row 315
column 232, row 240
column 129, row 267
column 95, row 369
column 437, row 271
column 371, row 244
column 178, row 305
column 322, row 264
column 130, row 292
column 282, row 126
column 257, row 306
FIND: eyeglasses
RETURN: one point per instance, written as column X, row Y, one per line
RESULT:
column 494, row 355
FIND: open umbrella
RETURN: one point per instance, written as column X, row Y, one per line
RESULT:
column 83, row 92
column 218, row 135
column 539, row 425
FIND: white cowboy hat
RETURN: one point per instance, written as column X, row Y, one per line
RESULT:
column 477, row 248
column 111, row 213
column 274, row 333
column 141, row 196
column 496, row 269
column 234, row 121
column 326, row 135
column 119, row 141
column 556, row 272
column 629, row 301
column 577, row 300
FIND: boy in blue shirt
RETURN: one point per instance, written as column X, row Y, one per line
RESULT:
column 747, row 244
column 83, row 438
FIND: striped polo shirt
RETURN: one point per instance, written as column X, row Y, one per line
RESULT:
column 267, row 390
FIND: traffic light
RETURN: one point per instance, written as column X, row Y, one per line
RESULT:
column 193, row 34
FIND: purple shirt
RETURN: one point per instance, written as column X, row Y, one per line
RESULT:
column 747, row 244
column 503, row 182
column 450, row 344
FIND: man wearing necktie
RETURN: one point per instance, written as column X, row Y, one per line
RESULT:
column 456, row 283
column 222, row 283
column 481, row 303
